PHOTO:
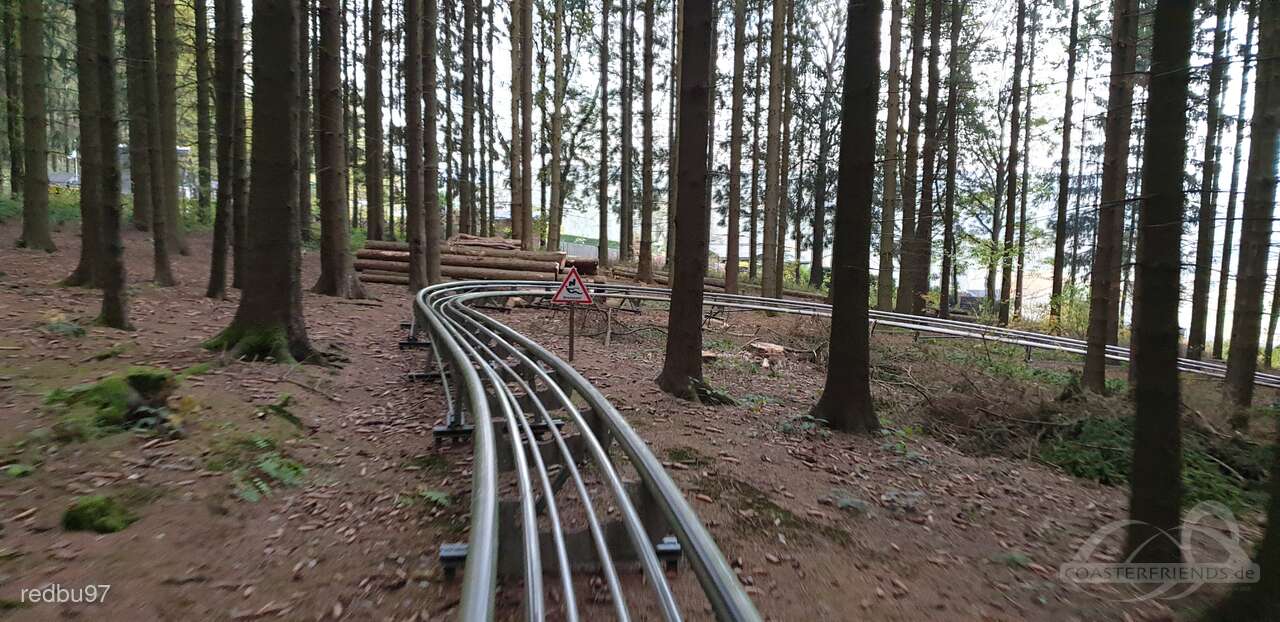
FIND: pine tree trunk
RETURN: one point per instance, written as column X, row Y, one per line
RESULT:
column 884, row 278
column 12, row 98
column 514, row 167
column 644, row 272
column 526, row 123
column 1011, row 169
column 1155, row 501
column 1026, row 163
column 337, row 275
column 225, row 71
column 673, row 153
column 557, row 127
column 144, row 117
column 773, row 193
column 603, row 192
column 735, row 146
column 35, row 147
column 466, row 207
column 1233, row 193
column 1115, row 156
column 626, row 206
column 373, row 125
column 1259, row 208
column 90, row 147
column 204, row 131
column 450, row 182
column 110, row 271
column 268, row 321
column 682, row 367
column 922, row 251
column 415, row 183
column 490, row 142
column 948, row 214
column 167, row 90
column 846, row 395
column 304, row 122
column 758, row 66
column 240, row 164
column 911, row 165
column 429, row 230
column 1064, row 167
column 816, row 270
column 1207, row 215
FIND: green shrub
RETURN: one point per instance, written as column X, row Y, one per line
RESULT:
column 97, row 513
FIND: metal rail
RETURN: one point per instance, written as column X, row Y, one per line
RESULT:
column 499, row 383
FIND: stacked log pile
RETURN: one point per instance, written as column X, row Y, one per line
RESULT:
column 461, row 257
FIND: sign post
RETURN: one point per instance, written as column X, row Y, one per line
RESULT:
column 573, row 291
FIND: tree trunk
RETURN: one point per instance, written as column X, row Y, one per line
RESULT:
column 167, row 89
column 1011, row 169
column 1155, row 501
column 428, row 231
column 1219, row 330
column 557, row 127
column 466, row 207
column 846, row 396
column 773, row 193
column 682, row 367
column 603, row 193
column 1026, row 164
column 304, row 122
column 240, row 163
column 514, row 167
column 526, row 123
column 491, row 142
column 816, row 271
column 626, row 173
column 1115, row 157
column 1064, row 167
column 90, row 147
column 337, row 276
column 450, row 182
column 12, row 99
column 110, row 270
column 645, row 265
column 1259, row 207
column 415, row 183
column 373, row 125
column 754, row 225
column 735, row 146
column 922, row 246
column 204, row 131
column 907, row 254
column 673, row 138
column 268, row 322
column 1207, row 215
column 35, row 147
column 225, row 72
column 953, row 122
column 884, row 276
column 144, row 116
column 783, row 171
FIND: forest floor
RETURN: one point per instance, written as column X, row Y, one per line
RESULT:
column 307, row 492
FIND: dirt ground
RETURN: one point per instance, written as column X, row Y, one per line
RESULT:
column 902, row 526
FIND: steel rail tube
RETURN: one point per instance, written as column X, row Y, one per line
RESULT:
column 557, row 533
column 630, row 517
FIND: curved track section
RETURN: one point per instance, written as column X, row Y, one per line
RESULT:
column 492, row 373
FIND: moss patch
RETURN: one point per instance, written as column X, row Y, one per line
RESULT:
column 112, row 404
column 97, row 513
column 253, row 343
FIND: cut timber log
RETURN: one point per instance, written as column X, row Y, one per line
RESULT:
column 586, row 266
column 458, row 272
column 470, row 261
column 461, row 248
column 383, row 278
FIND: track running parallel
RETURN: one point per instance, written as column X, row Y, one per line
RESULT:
column 492, row 373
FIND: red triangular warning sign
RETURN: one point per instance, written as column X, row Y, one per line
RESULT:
column 572, row 290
